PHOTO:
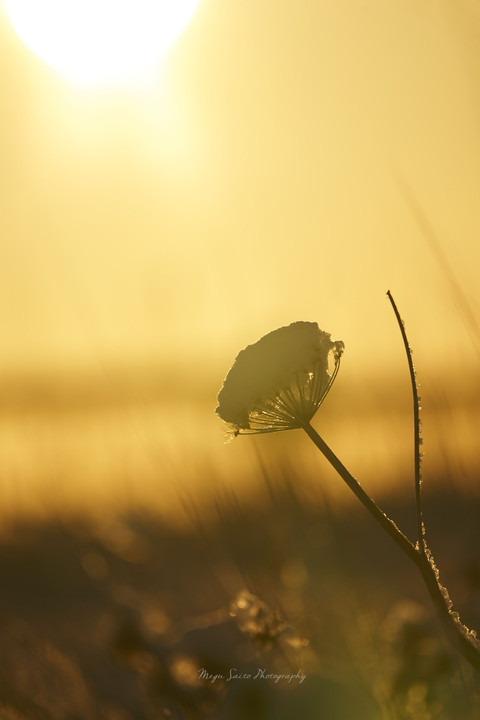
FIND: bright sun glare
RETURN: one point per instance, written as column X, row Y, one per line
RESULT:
column 100, row 40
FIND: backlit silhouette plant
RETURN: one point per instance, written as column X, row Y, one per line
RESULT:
column 278, row 383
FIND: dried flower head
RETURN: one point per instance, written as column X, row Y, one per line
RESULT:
column 279, row 382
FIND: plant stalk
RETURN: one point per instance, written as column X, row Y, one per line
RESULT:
column 463, row 639
column 416, row 430
column 388, row 525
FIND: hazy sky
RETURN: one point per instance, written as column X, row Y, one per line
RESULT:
column 250, row 184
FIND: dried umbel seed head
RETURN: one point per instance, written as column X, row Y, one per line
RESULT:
column 279, row 382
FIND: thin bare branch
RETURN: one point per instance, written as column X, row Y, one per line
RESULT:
column 417, row 438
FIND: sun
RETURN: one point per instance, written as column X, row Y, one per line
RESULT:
column 97, row 41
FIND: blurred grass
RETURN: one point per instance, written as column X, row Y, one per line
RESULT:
column 137, row 549
column 118, row 440
column 115, row 617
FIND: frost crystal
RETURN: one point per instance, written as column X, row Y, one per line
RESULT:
column 279, row 382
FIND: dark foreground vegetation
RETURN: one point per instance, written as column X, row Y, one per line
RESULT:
column 130, row 618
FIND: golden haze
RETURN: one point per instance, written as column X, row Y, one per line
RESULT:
column 151, row 232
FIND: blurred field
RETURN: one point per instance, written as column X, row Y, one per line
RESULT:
column 116, row 618
column 118, row 440
column 138, row 549
column 288, row 162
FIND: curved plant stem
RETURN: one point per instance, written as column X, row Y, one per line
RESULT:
column 416, row 430
column 387, row 524
column 461, row 637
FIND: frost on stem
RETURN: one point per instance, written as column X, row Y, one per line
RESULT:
column 470, row 635
column 279, row 382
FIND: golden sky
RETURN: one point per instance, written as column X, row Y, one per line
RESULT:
column 287, row 161
column 251, row 182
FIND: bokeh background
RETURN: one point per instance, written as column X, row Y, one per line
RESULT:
column 287, row 161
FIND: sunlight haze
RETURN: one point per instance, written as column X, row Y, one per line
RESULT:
column 283, row 163
column 254, row 185
column 95, row 41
